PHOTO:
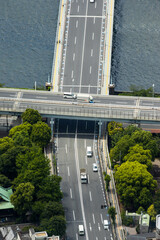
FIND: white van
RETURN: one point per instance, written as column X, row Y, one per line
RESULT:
column 89, row 151
column 69, row 95
column 81, row 230
column 106, row 224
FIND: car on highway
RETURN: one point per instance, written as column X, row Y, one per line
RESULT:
column 92, row 1
column 106, row 224
column 81, row 230
column 95, row 168
column 69, row 95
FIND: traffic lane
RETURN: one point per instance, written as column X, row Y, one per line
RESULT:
column 96, row 8
column 8, row 94
column 116, row 100
column 67, row 126
column 78, row 7
column 85, row 127
column 91, row 55
column 71, row 199
column 74, row 52
column 43, row 96
column 149, row 102
column 92, row 195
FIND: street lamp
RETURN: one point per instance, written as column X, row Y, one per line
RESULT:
column 153, row 90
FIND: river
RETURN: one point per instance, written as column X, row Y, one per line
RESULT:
column 136, row 46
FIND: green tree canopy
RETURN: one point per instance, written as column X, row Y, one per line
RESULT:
column 121, row 149
column 4, row 181
column 137, row 153
column 22, row 198
column 22, row 139
column 112, row 213
column 52, row 209
column 152, row 212
column 56, row 225
column 41, row 134
column 50, row 189
column 5, row 144
column 31, row 116
column 135, row 185
column 114, row 127
column 26, row 127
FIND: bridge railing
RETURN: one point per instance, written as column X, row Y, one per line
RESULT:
column 89, row 111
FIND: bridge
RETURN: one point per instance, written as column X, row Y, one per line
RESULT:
column 104, row 108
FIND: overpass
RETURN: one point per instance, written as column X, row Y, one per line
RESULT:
column 104, row 108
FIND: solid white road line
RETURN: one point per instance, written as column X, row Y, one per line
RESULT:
column 94, row 20
column 76, row 236
column 78, row 9
column 85, row 143
column 86, row 160
column 101, row 218
column 95, row 4
column 91, row 52
column 93, row 36
column 88, row 179
column 72, row 74
column 66, row 148
column 90, row 196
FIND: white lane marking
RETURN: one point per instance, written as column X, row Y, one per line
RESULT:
column 94, row 20
column 91, row 52
column 85, row 143
column 90, row 69
column 105, row 238
column 76, row 236
column 75, row 40
column 93, row 218
column 76, row 23
column 66, row 148
column 88, row 178
column 96, row 238
column 90, row 227
column 86, row 160
column 101, row 218
column 93, row 36
column 90, row 196
column 68, row 172
column 72, row 74
column 74, row 216
column 79, row 184
column 71, row 192
column 73, row 56
column 99, row 227
column 84, row 37
column 78, row 9
column 95, row 4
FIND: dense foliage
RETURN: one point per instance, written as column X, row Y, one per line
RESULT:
column 24, row 166
column 132, row 152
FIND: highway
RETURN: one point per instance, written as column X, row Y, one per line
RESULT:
column 106, row 108
column 83, row 41
column 82, row 202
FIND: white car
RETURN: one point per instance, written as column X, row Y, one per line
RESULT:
column 95, row 168
column 92, row 1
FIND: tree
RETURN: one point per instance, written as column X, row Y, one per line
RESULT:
column 140, row 210
column 157, row 202
column 137, row 153
column 52, row 209
column 112, row 213
column 107, row 179
column 41, row 134
column 121, row 149
column 31, row 116
column 50, row 189
column 151, row 211
column 22, row 139
column 4, row 181
column 135, row 185
column 22, row 198
column 26, row 127
column 55, row 225
column 5, row 144
column 114, row 127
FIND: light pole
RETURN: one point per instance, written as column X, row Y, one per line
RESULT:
column 153, row 90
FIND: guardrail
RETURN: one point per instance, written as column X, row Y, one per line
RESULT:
column 77, row 110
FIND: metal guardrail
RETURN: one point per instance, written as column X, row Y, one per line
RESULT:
column 82, row 111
